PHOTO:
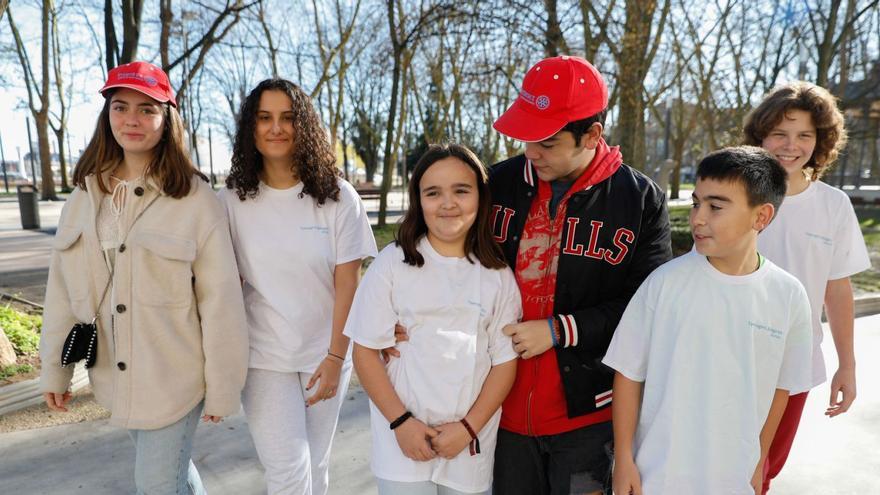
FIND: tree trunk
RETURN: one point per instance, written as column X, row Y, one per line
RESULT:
column 61, row 129
column 166, row 17
column 131, row 29
column 41, row 118
column 554, row 41
column 632, row 68
column 111, row 54
column 826, row 47
column 47, row 185
column 62, row 158
column 387, row 160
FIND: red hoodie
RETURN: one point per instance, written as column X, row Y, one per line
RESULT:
column 536, row 403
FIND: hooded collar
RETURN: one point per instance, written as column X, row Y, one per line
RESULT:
column 606, row 161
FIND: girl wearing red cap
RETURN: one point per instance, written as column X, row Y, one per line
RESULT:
column 142, row 250
column 300, row 233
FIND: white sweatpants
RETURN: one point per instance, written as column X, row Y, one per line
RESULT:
column 292, row 441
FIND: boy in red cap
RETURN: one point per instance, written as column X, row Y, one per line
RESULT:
column 581, row 231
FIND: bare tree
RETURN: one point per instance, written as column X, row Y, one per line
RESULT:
column 829, row 35
column 38, row 89
column 131, row 32
column 334, row 60
column 633, row 62
column 270, row 44
column 554, row 41
column 403, row 37
column 224, row 19
column 595, row 27
column 59, row 127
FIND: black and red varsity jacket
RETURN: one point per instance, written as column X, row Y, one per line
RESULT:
column 616, row 233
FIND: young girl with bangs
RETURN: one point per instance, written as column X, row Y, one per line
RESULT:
column 815, row 236
column 142, row 251
column 435, row 409
column 300, row 233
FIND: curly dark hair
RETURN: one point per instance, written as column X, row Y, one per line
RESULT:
column 819, row 103
column 314, row 162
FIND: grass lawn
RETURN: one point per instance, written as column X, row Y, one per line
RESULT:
column 869, row 218
column 23, row 332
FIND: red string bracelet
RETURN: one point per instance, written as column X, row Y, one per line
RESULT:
column 474, row 446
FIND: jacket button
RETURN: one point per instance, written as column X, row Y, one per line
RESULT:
column 516, row 238
column 566, row 369
column 122, row 248
column 529, row 194
column 139, row 191
column 120, row 308
column 121, row 366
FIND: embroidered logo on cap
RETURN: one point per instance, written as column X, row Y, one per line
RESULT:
column 542, row 102
column 150, row 80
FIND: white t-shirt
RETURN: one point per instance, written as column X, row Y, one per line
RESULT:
column 453, row 311
column 816, row 237
column 287, row 248
column 711, row 350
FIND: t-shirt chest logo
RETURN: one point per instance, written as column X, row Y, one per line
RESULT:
column 622, row 240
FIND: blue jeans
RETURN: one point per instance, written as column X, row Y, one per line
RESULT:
column 162, row 463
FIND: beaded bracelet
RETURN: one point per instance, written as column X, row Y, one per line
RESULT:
column 553, row 336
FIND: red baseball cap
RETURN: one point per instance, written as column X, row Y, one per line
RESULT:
column 144, row 77
column 554, row 92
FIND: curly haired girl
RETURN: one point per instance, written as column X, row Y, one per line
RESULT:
column 815, row 236
column 299, row 233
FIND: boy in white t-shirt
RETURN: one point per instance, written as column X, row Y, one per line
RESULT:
column 711, row 344
column 816, row 237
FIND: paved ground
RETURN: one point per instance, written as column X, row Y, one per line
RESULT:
column 831, row 457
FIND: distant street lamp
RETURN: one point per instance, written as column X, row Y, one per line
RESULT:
column 31, row 147
column 3, row 162
column 668, row 132
column 211, row 158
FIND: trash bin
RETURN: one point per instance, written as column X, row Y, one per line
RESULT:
column 28, row 206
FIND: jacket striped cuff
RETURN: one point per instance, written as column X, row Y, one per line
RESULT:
column 569, row 331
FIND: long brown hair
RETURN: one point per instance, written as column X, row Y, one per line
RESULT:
column 815, row 100
column 170, row 166
column 479, row 241
column 314, row 161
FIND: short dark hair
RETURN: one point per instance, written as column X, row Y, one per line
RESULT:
column 479, row 241
column 756, row 169
column 580, row 127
